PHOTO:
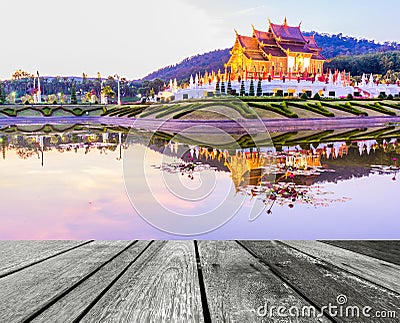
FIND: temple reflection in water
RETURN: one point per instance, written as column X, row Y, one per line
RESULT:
column 303, row 164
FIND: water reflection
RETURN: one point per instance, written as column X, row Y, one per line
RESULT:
column 302, row 164
column 303, row 170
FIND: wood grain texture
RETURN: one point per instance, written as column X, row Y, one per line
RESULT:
column 17, row 254
column 237, row 285
column 30, row 289
column 74, row 303
column 377, row 271
column 385, row 250
column 322, row 283
column 161, row 286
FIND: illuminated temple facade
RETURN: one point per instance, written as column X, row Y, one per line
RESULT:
column 281, row 50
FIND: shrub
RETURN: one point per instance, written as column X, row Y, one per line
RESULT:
column 251, row 90
column 77, row 111
column 273, row 107
column 217, row 88
column 223, row 88
column 259, row 88
column 304, row 96
column 229, row 89
column 27, row 99
column 347, row 107
column 317, row 96
column 47, row 112
column 376, row 107
column 242, row 89
column 350, row 96
column 52, row 99
column 317, row 108
column 2, row 94
column 390, row 97
column 74, row 100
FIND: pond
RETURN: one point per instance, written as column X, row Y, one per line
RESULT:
column 93, row 181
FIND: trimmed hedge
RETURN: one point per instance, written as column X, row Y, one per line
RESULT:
column 269, row 99
column 240, row 107
column 346, row 108
column 9, row 112
column 47, row 111
column 393, row 106
column 152, row 110
column 375, row 107
column 177, row 108
column 317, row 108
column 281, row 109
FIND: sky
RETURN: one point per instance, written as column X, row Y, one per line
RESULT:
column 133, row 38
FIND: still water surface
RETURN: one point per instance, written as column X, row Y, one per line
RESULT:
column 81, row 182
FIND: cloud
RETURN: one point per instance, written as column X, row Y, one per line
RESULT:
column 247, row 11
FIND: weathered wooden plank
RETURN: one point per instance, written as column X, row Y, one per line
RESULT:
column 29, row 290
column 238, row 286
column 15, row 255
column 384, row 250
column 72, row 305
column 377, row 271
column 161, row 286
column 322, row 283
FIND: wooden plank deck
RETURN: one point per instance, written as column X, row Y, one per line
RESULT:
column 195, row 281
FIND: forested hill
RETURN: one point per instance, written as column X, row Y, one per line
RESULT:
column 339, row 45
column 333, row 46
column 211, row 61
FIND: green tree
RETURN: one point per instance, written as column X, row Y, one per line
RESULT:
column 318, row 97
column 259, row 88
column 108, row 92
column 251, row 90
column 229, row 84
column 74, row 100
column 223, row 91
column 2, row 94
column 304, row 96
column 157, row 85
column 217, row 89
column 242, row 89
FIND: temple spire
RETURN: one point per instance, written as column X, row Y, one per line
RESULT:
column 285, row 22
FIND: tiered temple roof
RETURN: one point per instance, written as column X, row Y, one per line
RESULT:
column 278, row 40
column 270, row 51
column 287, row 33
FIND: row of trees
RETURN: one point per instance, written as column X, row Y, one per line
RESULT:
column 332, row 46
column 385, row 64
column 23, row 85
column 341, row 45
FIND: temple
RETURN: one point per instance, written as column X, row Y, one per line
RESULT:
column 281, row 50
